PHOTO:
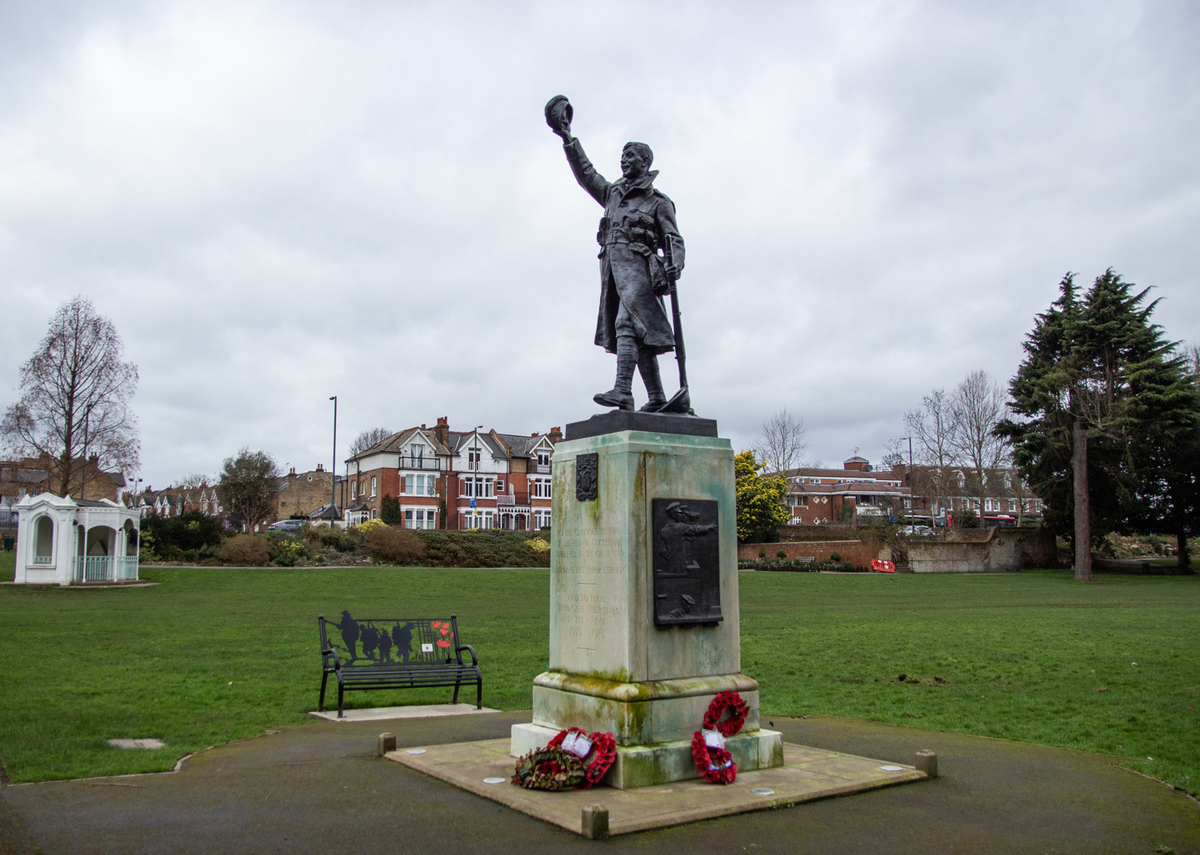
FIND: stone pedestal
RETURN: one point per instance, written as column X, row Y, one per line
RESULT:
column 644, row 628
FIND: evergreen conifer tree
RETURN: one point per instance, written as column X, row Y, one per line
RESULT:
column 1106, row 408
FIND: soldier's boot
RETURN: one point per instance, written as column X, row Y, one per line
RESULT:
column 648, row 366
column 621, row 394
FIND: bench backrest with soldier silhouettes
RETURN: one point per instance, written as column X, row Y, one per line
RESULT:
column 395, row 653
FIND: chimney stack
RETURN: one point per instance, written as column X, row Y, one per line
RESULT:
column 441, row 431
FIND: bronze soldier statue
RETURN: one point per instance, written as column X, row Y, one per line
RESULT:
column 641, row 255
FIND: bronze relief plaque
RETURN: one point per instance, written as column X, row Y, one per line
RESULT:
column 687, row 563
column 587, row 476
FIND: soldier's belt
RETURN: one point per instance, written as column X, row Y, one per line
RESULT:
column 618, row 235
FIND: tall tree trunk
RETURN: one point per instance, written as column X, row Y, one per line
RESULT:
column 1083, row 522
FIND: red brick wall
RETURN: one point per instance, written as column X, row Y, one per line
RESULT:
column 857, row 552
column 387, row 485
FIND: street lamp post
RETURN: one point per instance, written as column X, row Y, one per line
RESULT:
column 333, row 465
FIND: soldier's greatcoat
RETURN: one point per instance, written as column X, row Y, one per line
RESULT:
column 638, row 222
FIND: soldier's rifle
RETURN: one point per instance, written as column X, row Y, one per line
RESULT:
column 681, row 402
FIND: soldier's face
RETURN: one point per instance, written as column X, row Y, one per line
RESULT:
column 632, row 166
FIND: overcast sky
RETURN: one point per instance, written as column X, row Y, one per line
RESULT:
column 279, row 202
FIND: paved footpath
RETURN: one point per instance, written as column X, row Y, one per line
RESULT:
column 320, row 788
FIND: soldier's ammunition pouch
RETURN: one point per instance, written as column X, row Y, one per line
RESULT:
column 639, row 233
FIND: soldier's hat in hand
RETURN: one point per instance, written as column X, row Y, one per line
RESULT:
column 559, row 112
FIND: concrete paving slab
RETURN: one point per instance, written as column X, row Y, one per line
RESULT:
column 389, row 713
column 485, row 767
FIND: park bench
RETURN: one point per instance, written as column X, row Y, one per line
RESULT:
column 805, row 559
column 395, row 653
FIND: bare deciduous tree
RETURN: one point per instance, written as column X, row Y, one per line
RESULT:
column 75, row 394
column 368, row 438
column 782, row 442
column 931, row 428
column 195, row 481
column 977, row 407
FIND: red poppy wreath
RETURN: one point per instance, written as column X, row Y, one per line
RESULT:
column 556, row 767
column 713, row 761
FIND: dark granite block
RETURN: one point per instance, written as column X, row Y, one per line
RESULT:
column 619, row 420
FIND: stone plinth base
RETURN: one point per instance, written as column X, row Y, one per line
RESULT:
column 636, row 713
column 663, row 763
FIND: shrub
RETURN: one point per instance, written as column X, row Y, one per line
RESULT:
column 370, row 525
column 389, row 509
column 332, row 538
column 287, row 552
column 762, row 553
column 484, row 549
column 190, row 531
column 539, row 544
column 393, row 545
column 246, row 549
column 781, row 555
column 147, row 553
column 835, row 557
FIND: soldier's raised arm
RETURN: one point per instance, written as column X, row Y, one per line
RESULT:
column 589, row 179
column 558, row 117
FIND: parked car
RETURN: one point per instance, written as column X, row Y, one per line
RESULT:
column 917, row 530
column 287, row 525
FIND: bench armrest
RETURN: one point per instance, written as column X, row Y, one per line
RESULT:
column 469, row 649
column 331, row 653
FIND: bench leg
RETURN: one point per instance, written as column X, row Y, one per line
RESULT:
column 457, row 683
column 479, row 694
column 340, row 690
column 321, row 700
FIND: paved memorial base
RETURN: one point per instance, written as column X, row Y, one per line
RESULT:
column 485, row 768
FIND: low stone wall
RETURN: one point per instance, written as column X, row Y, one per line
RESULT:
column 858, row 552
column 983, row 551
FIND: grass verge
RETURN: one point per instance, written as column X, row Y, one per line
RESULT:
column 212, row 654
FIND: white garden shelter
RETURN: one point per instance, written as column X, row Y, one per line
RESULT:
column 65, row 541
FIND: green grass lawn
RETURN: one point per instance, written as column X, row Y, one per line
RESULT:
column 210, row 655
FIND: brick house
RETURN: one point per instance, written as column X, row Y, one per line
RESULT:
column 302, row 493
column 818, row 496
column 454, row 479
column 173, row 501
column 35, row 475
column 1003, row 498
